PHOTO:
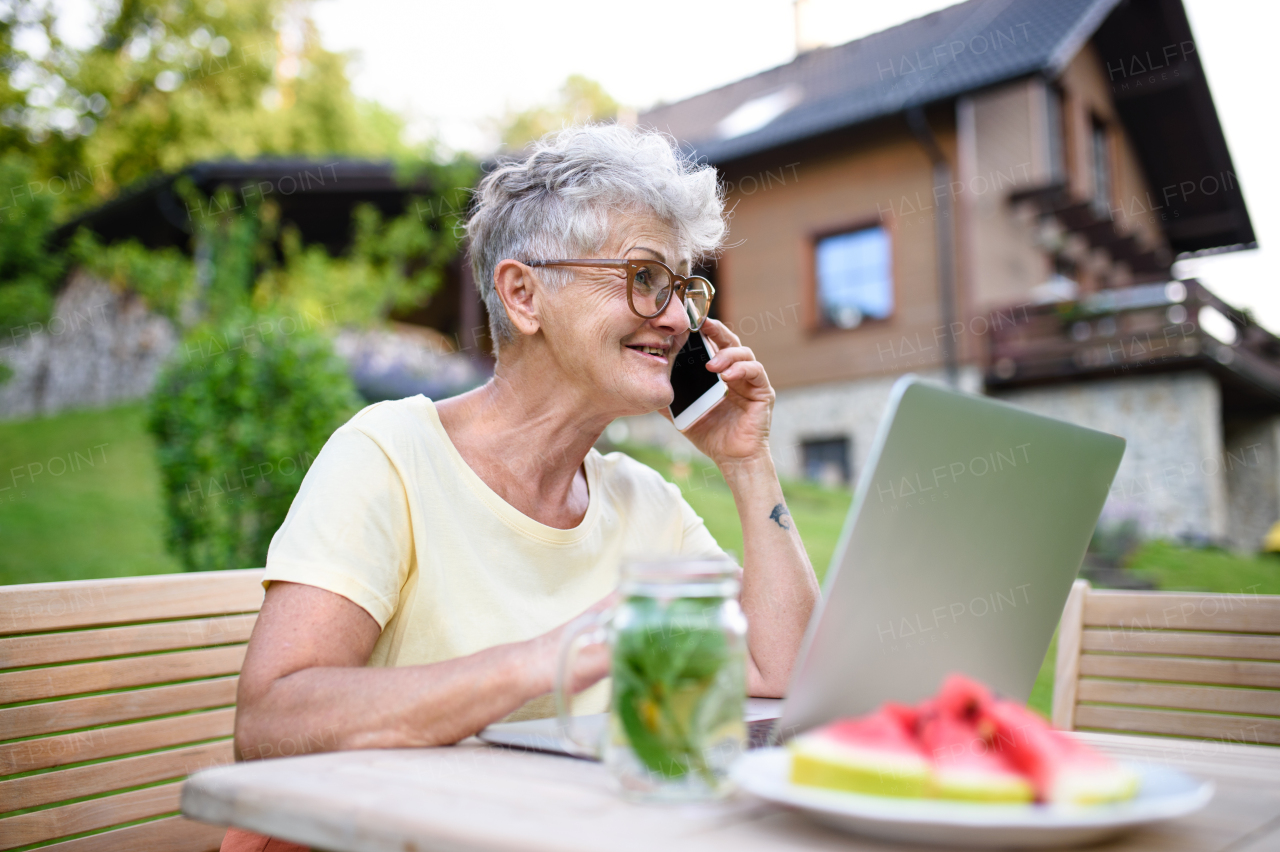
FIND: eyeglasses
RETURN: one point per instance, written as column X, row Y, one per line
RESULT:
column 650, row 284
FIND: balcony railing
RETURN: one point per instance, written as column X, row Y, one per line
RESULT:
column 1176, row 325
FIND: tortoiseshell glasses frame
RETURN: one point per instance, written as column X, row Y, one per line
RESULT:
column 650, row 285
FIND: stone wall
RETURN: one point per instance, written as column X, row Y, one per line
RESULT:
column 1252, row 466
column 1173, row 480
column 1182, row 477
column 100, row 347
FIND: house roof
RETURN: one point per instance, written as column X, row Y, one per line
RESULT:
column 955, row 50
column 315, row 195
column 1173, row 123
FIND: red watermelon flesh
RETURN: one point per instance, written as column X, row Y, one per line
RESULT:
column 964, row 766
column 876, row 754
column 962, row 697
column 1063, row 770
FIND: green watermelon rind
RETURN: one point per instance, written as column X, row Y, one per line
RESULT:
column 1094, row 785
column 979, row 786
column 819, row 762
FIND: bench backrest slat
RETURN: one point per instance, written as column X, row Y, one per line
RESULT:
column 1176, row 664
column 52, row 823
column 1233, row 613
column 117, row 689
column 43, row 607
column 79, row 678
column 171, row 834
column 35, row 719
column 47, row 648
column 115, row 741
column 62, row 784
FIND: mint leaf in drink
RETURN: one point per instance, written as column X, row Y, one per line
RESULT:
column 670, row 661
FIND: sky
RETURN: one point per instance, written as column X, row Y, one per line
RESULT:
column 453, row 69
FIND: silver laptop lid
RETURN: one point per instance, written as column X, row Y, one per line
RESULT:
column 968, row 525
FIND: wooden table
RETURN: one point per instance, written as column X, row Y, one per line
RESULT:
column 477, row 797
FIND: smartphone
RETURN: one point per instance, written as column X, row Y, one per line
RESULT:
column 697, row 388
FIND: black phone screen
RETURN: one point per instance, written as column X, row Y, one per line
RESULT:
column 690, row 377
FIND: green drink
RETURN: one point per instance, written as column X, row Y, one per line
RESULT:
column 679, row 680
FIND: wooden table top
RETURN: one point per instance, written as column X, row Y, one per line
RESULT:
column 477, row 797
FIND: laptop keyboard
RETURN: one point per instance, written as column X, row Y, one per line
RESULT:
column 758, row 732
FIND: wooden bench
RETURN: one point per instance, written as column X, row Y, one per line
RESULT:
column 111, row 693
column 1185, row 664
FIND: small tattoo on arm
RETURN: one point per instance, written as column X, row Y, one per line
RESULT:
column 778, row 514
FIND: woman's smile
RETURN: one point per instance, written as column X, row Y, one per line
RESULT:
column 655, row 352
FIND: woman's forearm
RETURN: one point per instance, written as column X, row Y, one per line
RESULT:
column 333, row 708
column 779, row 589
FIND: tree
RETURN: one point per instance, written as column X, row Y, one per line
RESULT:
column 167, row 84
column 580, row 100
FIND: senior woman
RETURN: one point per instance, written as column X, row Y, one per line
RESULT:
column 418, row 588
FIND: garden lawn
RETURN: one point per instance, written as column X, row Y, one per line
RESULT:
column 1173, row 568
column 818, row 512
column 80, row 498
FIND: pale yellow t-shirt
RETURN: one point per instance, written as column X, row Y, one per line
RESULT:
column 391, row 517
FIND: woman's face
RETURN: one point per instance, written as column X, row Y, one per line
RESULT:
column 610, row 353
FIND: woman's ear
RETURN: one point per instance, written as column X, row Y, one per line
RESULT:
column 517, row 288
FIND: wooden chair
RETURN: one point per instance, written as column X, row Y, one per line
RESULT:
column 111, row 693
column 1179, row 664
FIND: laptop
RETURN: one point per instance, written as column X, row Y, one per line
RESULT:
column 968, row 525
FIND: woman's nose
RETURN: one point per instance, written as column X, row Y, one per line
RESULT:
column 673, row 318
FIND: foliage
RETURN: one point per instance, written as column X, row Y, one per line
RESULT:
column 164, row 277
column 392, row 265
column 28, row 266
column 580, row 100
column 165, row 84
column 239, row 417
column 264, row 390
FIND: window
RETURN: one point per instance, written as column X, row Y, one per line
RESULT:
column 854, row 277
column 827, row 461
column 1054, row 135
column 1101, row 171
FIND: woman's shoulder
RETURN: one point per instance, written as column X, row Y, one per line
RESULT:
column 394, row 421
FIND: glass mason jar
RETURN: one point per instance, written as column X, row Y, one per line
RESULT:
column 678, row 641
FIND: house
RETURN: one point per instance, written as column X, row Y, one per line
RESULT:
column 994, row 195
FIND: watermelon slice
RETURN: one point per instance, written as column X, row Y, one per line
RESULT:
column 876, row 754
column 964, row 765
column 1063, row 770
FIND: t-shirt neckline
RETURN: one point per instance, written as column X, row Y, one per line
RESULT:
column 509, row 514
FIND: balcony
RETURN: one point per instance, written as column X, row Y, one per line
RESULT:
column 1154, row 328
column 1096, row 227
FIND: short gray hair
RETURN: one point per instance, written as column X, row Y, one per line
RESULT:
column 557, row 202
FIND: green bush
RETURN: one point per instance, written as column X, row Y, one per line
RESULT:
column 239, row 415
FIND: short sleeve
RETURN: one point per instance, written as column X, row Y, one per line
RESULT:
column 348, row 530
column 697, row 539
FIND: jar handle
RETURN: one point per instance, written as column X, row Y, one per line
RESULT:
column 586, row 629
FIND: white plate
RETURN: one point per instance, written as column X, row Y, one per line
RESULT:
column 1163, row 794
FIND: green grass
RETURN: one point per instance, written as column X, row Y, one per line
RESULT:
column 63, row 518
column 1174, row 568
column 818, row 512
